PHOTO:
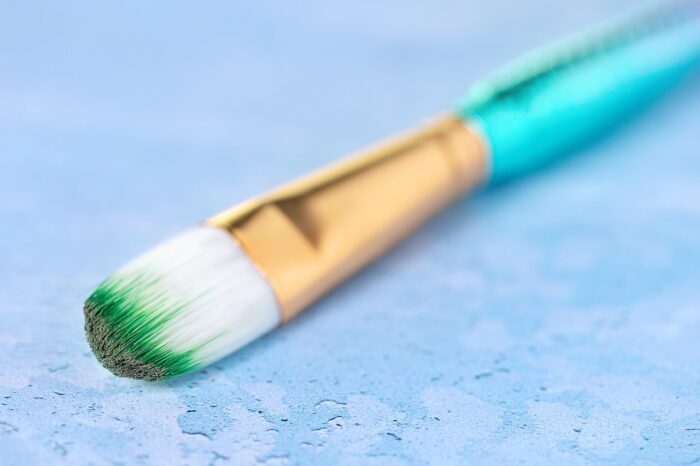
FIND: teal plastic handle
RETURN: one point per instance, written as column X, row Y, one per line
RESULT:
column 556, row 100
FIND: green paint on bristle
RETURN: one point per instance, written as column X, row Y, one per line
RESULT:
column 124, row 322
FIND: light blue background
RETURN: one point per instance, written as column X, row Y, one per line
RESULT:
column 555, row 320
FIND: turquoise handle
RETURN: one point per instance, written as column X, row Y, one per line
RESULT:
column 557, row 100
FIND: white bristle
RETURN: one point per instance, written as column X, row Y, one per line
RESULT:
column 208, row 293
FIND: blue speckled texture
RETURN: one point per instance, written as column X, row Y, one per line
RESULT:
column 554, row 320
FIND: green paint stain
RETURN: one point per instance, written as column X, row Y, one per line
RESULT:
column 125, row 321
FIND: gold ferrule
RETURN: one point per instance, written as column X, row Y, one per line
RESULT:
column 311, row 234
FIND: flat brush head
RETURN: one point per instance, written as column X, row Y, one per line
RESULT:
column 180, row 306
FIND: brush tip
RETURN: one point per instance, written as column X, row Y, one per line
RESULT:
column 114, row 357
column 180, row 306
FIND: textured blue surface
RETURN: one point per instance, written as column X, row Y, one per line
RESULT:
column 551, row 321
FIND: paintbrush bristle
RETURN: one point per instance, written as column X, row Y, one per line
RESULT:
column 182, row 305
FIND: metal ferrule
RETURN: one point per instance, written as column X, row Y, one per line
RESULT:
column 311, row 234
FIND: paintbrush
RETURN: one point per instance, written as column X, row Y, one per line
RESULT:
column 207, row 292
